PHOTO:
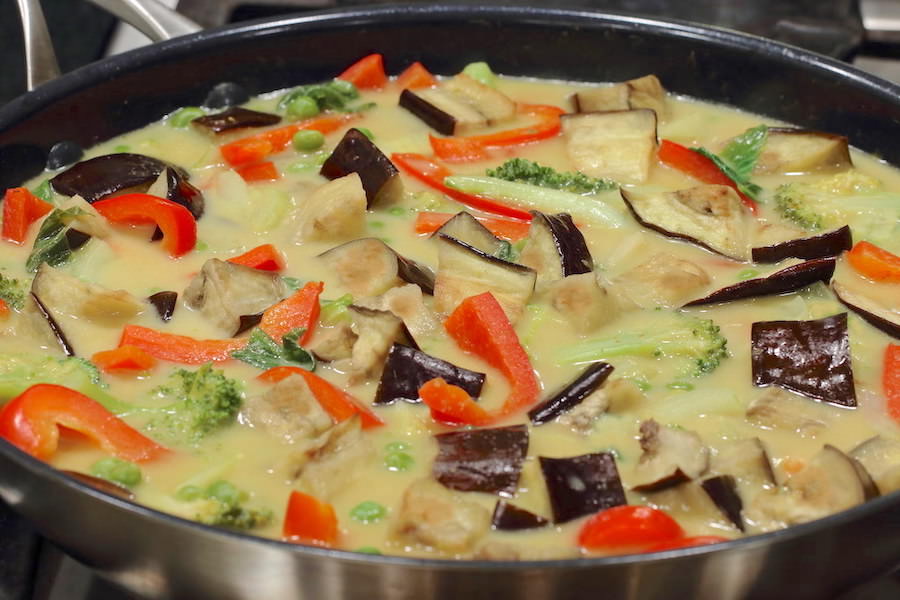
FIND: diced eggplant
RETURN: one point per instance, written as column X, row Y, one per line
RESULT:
column 786, row 280
column 440, row 112
column 340, row 455
column 643, row 92
column 582, row 485
column 710, row 216
column 105, row 486
column 871, row 311
column 670, row 456
column 832, row 481
column 811, row 358
column 408, row 369
column 555, row 248
column 466, row 228
column 223, row 292
column 494, row 105
column 408, row 303
column 881, row 458
column 827, row 244
column 76, row 239
column 288, row 411
column 356, row 153
column 235, row 118
column 583, row 301
column 722, row 490
column 794, row 150
column 509, row 517
column 65, row 294
column 588, row 382
column 54, row 327
column 246, row 323
column 334, row 212
column 747, row 460
column 369, row 267
column 330, row 343
column 101, row 176
column 481, row 460
column 164, row 303
column 465, row 271
column 663, row 280
column 376, row 332
column 782, row 410
column 620, row 145
column 615, row 395
column 180, row 191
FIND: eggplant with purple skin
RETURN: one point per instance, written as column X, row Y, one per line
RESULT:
column 722, row 490
column 811, row 358
column 670, row 456
column 555, row 248
column 582, row 485
column 369, row 267
column 181, row 192
column 235, row 118
column 164, row 303
column 572, row 395
column 58, row 334
column 869, row 310
column 101, row 176
column 436, row 109
column 407, row 369
column 466, row 228
column 795, row 150
column 356, row 153
column 786, row 280
column 481, row 460
column 831, row 243
column 509, row 517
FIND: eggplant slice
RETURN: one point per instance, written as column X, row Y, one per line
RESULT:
column 101, row 176
column 481, row 460
column 795, row 150
column 466, row 228
column 571, row 395
column 407, row 369
column 811, row 358
column 642, row 92
column 671, row 456
column 869, row 310
column 582, row 485
column 369, row 267
column 555, row 248
column 722, row 490
column 164, row 303
column 54, row 327
column 620, row 145
column 356, row 153
column 509, row 517
column 235, row 118
column 780, row 282
column 831, row 243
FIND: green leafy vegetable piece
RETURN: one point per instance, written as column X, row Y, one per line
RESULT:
column 51, row 245
column 263, row 352
column 743, row 151
column 45, row 192
column 330, row 95
column 526, row 171
column 744, row 185
column 506, row 251
column 334, row 311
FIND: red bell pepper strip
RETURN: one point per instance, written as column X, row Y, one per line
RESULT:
column 123, row 358
column 178, row 226
column 258, row 147
column 4, row 310
column 432, row 174
column 699, row 167
column 262, row 171
column 890, row 380
column 508, row 229
column 465, row 149
column 264, row 258
column 179, row 348
column 367, row 73
column 307, row 520
column 416, row 77
column 21, row 208
column 335, row 401
column 628, row 528
column 299, row 311
column 686, row 542
column 452, row 404
column 480, row 326
column 874, row 262
column 31, row 421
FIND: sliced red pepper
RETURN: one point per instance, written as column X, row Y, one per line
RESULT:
column 451, row 404
column 508, row 229
column 335, row 401
column 4, row 310
column 699, row 167
column 480, row 326
column 262, row 171
column 124, row 358
column 687, row 542
column 628, row 528
column 31, row 421
column 260, row 146
column 299, row 311
column 179, row 348
column 875, row 263
column 367, row 73
column 264, row 258
column 178, row 226
column 432, row 174
column 466, row 149
column 307, row 520
column 416, row 77
column 890, row 380
column 21, row 208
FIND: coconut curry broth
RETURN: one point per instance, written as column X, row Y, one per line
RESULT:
column 241, row 215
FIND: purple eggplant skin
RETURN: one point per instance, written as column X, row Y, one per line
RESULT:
column 58, row 333
column 588, row 382
column 481, row 460
column 722, row 490
column 235, row 118
column 407, row 369
column 356, row 153
column 574, row 256
column 247, row 322
column 181, row 192
column 780, row 282
column 892, row 328
column 164, row 303
column 412, row 272
column 76, row 239
column 811, row 358
column 430, row 114
column 101, row 176
column 831, row 243
column 582, row 485
column 509, row 517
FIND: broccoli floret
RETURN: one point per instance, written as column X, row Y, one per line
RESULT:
column 222, row 505
column 695, row 340
column 200, row 402
column 526, row 171
column 847, row 198
column 12, row 291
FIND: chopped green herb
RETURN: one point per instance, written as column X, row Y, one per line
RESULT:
column 117, row 470
column 525, row 171
column 747, row 274
column 398, row 461
column 12, row 291
column 368, row 512
column 263, row 352
column 44, row 191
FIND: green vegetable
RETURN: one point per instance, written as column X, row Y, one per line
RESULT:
column 366, row 132
column 539, row 198
column 368, row 550
column 182, row 117
column 51, row 245
column 680, row 385
column 293, row 283
column 482, row 72
column 526, row 171
column 307, row 163
column 118, row 471
column 744, row 185
column 263, row 352
column 398, row 461
column 506, row 251
column 698, row 342
column 201, row 246
column 335, row 310
column 398, row 211
column 330, row 95
column 302, row 107
column 224, row 491
column 198, row 403
column 739, row 158
column 307, row 140
column 397, row 447
column 376, row 224
column 368, row 512
column 188, row 493
column 642, row 384
column 747, row 274
column 221, row 505
column 12, row 291
column 45, row 191
column 122, row 148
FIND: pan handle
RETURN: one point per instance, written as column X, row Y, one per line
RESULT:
column 152, row 18
column 40, row 59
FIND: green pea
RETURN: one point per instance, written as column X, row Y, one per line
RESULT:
column 680, row 385
column 200, row 246
column 366, row 132
column 747, row 274
column 189, row 493
column 307, row 140
column 224, row 492
column 117, row 470
column 397, row 447
column 368, row 512
column 368, row 550
column 182, row 118
column 302, row 107
column 397, row 211
column 398, row 461
column 122, row 148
